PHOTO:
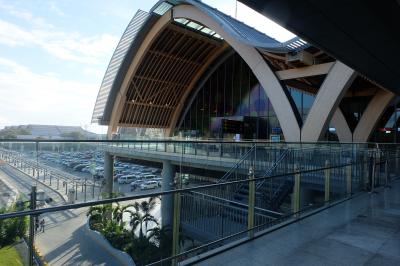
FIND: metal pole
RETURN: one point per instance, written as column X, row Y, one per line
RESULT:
column 348, row 178
column 252, row 200
column 296, row 192
column 32, row 224
column 386, row 174
column 76, row 190
column 175, row 228
column 327, row 181
column 373, row 174
column 85, row 190
column 37, row 160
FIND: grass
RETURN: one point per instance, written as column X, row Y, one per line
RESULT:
column 10, row 257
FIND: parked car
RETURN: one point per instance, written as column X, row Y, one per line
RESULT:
column 126, row 179
column 148, row 176
column 135, row 184
column 159, row 180
column 149, row 185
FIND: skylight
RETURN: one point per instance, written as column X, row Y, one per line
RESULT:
column 198, row 27
column 162, row 8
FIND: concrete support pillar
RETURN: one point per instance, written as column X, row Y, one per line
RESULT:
column 167, row 201
column 108, row 172
column 328, row 99
column 371, row 115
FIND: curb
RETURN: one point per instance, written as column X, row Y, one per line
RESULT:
column 40, row 256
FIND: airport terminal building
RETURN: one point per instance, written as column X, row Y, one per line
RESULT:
column 194, row 71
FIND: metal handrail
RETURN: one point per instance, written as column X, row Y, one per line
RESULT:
column 156, row 194
column 242, row 205
column 274, row 166
column 236, row 166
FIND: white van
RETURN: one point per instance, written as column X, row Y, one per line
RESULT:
column 126, row 179
column 149, row 185
column 148, row 177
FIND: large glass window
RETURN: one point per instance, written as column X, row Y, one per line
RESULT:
column 230, row 102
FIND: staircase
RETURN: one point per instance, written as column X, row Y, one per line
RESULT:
column 270, row 193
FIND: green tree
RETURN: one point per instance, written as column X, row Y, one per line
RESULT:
column 12, row 229
column 73, row 135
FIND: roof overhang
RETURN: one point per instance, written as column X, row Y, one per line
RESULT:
column 364, row 34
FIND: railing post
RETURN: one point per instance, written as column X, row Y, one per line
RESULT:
column 85, row 191
column 348, row 178
column 373, row 173
column 327, row 181
column 76, row 190
column 296, row 191
column 175, row 227
column 32, row 225
column 365, row 171
column 386, row 174
column 250, row 212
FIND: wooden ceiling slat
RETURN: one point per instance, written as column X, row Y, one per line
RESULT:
column 163, row 76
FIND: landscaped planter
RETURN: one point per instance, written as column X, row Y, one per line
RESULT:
column 122, row 257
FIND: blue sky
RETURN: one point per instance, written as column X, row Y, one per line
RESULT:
column 53, row 54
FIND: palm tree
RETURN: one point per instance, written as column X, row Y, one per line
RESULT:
column 118, row 212
column 99, row 216
column 146, row 207
column 139, row 217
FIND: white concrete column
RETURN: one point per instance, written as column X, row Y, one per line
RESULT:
column 342, row 128
column 167, row 201
column 371, row 115
column 108, row 172
column 328, row 98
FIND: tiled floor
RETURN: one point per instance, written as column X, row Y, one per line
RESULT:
column 362, row 231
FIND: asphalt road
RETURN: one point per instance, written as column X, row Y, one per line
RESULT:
column 23, row 183
column 64, row 241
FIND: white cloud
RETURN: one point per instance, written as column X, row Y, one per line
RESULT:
column 29, row 97
column 13, row 35
column 25, row 15
column 62, row 45
column 55, row 9
column 70, row 46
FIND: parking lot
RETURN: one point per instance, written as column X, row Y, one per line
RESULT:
column 89, row 165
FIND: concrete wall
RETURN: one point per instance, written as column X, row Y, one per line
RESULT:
column 121, row 258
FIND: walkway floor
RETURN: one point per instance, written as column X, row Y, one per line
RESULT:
column 65, row 241
column 361, row 231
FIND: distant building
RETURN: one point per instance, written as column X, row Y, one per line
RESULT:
column 46, row 132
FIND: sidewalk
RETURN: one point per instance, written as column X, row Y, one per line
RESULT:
column 64, row 241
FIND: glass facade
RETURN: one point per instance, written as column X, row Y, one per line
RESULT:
column 303, row 101
column 232, row 102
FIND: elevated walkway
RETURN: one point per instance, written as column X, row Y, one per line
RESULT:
column 364, row 230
